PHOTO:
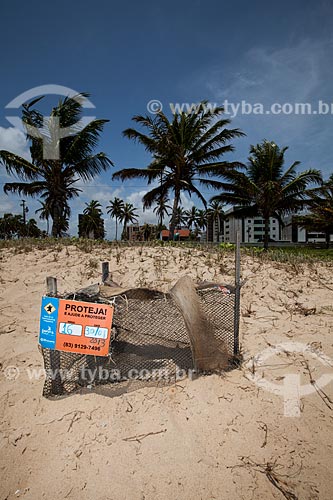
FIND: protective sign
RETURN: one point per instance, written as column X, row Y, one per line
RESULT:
column 72, row 326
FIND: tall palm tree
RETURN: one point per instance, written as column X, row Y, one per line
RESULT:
column 44, row 214
column 54, row 180
column 320, row 217
column 128, row 214
column 186, row 152
column 162, row 208
column 92, row 224
column 265, row 188
column 215, row 212
column 114, row 210
column 191, row 216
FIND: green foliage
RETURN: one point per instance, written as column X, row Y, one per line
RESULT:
column 12, row 226
column 91, row 224
column 128, row 214
column 227, row 246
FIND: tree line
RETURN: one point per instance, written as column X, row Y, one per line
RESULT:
column 91, row 224
column 187, row 154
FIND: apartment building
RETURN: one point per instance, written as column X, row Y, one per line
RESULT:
column 251, row 229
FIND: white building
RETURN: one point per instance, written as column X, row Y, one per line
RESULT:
column 251, row 229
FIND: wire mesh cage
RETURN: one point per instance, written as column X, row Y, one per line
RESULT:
column 151, row 342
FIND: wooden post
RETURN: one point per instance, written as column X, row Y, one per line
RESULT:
column 51, row 285
column 55, row 361
column 105, row 271
column 237, row 295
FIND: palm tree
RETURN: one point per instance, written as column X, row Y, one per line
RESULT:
column 191, row 216
column 162, row 208
column 201, row 220
column 264, row 188
column 127, row 215
column 72, row 159
column 31, row 229
column 114, row 210
column 320, row 218
column 44, row 214
column 215, row 212
column 148, row 232
column 92, row 224
column 181, row 217
column 186, row 151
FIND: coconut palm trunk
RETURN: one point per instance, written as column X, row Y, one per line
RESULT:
column 55, row 232
column 327, row 238
column 266, row 233
column 174, row 214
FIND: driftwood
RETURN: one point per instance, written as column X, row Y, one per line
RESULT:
column 207, row 353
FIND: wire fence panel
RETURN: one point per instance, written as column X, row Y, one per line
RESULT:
column 149, row 345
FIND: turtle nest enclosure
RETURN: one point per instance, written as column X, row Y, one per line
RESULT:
column 156, row 338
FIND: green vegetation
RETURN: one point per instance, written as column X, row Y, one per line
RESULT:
column 91, row 224
column 128, row 214
column 13, row 226
column 292, row 256
column 115, row 210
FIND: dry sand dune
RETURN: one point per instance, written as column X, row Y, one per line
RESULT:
column 211, row 438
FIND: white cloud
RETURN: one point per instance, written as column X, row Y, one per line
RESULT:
column 293, row 73
column 14, row 140
column 296, row 73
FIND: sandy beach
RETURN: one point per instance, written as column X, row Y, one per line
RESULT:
column 216, row 437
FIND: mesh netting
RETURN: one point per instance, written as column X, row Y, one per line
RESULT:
column 150, row 344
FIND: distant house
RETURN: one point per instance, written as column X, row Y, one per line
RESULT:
column 179, row 234
column 140, row 233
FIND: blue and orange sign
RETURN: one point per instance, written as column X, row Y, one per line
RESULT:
column 73, row 326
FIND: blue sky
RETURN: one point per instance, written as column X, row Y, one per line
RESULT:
column 128, row 53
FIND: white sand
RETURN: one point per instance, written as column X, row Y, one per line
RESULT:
column 77, row 447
